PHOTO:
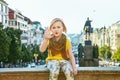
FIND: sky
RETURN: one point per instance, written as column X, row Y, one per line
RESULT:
column 74, row 13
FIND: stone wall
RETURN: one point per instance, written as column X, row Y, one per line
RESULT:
column 84, row 73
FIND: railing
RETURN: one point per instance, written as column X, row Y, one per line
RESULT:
column 84, row 73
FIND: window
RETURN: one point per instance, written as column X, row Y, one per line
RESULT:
column 15, row 23
column 0, row 7
column 5, row 21
column 5, row 9
column 118, row 35
column 0, row 18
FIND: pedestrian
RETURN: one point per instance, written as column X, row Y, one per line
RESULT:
column 60, row 54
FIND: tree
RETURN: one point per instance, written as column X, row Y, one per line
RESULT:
column 43, row 55
column 105, row 52
column 15, row 46
column 26, row 54
column 116, row 56
column 35, row 50
column 102, row 51
column 109, row 55
column 5, row 41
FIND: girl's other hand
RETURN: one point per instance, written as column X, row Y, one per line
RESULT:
column 48, row 34
column 75, row 72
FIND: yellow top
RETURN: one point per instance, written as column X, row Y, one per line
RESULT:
column 58, row 56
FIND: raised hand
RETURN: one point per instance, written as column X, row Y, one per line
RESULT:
column 48, row 34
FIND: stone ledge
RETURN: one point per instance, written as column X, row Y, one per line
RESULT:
column 45, row 69
column 84, row 73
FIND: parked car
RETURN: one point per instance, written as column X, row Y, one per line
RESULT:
column 42, row 62
column 31, row 65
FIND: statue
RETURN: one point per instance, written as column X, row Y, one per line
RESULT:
column 95, row 51
column 87, row 28
column 88, row 54
column 80, row 51
column 81, row 55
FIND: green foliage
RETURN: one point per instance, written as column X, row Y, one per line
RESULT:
column 43, row 55
column 4, row 44
column 15, row 46
column 109, row 54
column 116, row 55
column 11, row 49
column 26, row 54
column 105, row 52
column 35, row 50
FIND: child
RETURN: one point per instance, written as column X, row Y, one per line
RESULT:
column 60, row 54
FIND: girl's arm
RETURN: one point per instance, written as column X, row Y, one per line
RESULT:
column 72, row 60
column 44, row 45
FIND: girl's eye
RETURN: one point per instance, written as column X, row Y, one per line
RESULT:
column 53, row 27
column 58, row 26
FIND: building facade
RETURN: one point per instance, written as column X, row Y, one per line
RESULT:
column 115, row 35
column 4, row 13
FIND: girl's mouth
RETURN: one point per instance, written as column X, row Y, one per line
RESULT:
column 56, row 32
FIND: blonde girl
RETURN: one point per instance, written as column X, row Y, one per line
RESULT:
column 60, row 54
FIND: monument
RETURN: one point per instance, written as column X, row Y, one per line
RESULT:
column 88, row 55
column 80, row 51
column 87, row 28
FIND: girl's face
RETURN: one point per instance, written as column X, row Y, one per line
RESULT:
column 57, row 29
